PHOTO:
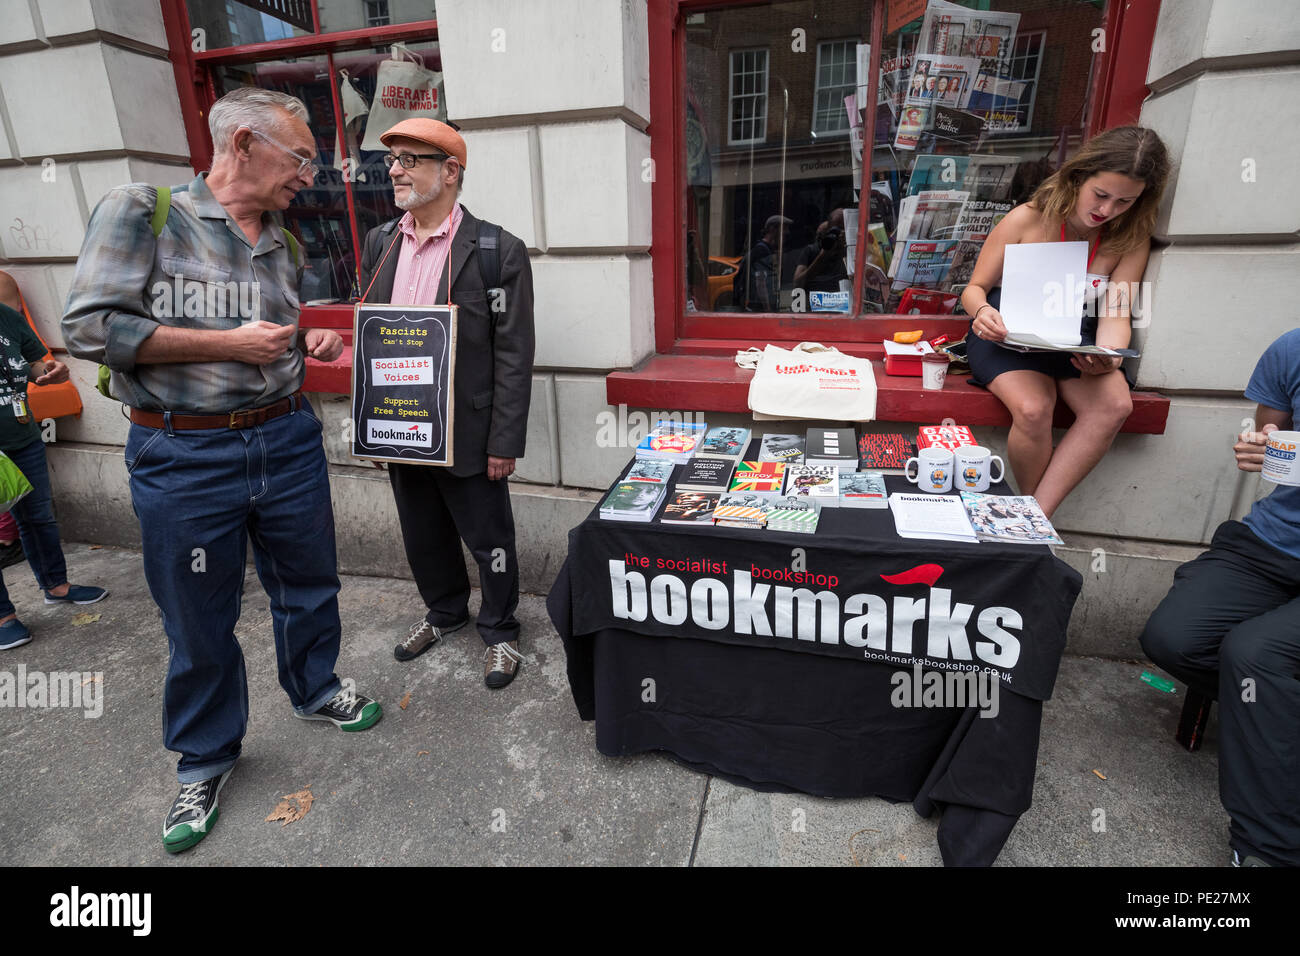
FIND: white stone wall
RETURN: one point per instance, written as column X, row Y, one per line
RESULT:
column 553, row 98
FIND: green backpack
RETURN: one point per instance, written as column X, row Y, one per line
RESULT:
column 163, row 206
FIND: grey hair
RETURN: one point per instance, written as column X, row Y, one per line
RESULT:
column 249, row 106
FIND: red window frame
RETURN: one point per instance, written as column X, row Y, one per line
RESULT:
column 1118, row 89
column 197, row 91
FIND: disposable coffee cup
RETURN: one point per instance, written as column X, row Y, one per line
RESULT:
column 1281, row 462
column 934, row 369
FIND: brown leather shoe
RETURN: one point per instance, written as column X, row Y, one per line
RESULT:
column 422, row 637
column 501, row 663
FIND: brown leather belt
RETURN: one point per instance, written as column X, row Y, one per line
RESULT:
column 246, row 418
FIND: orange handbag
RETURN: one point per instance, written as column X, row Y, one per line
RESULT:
column 49, row 401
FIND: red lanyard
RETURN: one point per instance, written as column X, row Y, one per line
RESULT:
column 1092, row 253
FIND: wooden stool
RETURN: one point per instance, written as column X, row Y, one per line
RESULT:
column 1192, row 721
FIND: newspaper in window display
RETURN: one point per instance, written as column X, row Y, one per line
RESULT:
column 941, row 80
column 988, row 35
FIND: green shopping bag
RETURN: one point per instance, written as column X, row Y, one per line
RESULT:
column 13, row 484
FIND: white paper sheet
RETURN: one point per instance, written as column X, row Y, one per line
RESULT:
column 1043, row 289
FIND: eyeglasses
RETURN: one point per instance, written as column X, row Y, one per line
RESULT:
column 304, row 165
column 408, row 160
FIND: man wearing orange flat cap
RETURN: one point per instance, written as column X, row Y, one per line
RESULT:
column 437, row 252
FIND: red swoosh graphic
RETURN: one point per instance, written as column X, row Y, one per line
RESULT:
column 925, row 574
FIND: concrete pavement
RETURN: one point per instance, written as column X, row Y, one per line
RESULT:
column 464, row 775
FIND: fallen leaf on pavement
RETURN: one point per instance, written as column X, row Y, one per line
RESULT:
column 95, row 547
column 404, row 701
column 84, row 618
column 1100, row 774
column 422, row 753
column 90, row 680
column 292, row 806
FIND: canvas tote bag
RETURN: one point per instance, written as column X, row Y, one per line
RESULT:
column 404, row 89
column 812, row 381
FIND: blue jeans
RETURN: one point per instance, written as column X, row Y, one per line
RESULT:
column 200, row 496
column 36, row 525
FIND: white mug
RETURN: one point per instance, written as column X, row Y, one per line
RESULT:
column 973, row 466
column 1281, row 461
column 933, row 470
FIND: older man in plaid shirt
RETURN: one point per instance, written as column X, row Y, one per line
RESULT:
column 198, row 322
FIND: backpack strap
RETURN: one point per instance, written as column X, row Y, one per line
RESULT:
column 292, row 243
column 489, row 269
column 161, row 207
column 489, row 254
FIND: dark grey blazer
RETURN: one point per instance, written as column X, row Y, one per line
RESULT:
column 494, row 367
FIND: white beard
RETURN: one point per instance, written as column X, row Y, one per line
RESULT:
column 415, row 198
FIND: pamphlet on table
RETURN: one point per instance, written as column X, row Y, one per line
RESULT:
column 937, row 517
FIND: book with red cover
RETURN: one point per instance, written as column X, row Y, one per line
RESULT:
column 886, row 453
column 951, row 437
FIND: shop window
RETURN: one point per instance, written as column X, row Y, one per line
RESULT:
column 333, row 70
column 233, row 23
column 973, row 108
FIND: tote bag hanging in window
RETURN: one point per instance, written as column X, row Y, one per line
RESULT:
column 812, row 381
column 404, row 89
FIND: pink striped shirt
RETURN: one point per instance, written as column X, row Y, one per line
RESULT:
column 420, row 267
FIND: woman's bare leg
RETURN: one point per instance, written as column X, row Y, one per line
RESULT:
column 1101, row 404
column 1030, row 397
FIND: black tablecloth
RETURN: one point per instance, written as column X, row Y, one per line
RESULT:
column 663, row 661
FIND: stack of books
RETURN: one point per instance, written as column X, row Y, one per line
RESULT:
column 951, row 437
column 837, row 447
column 863, row 489
column 819, row 484
column 672, row 441
column 655, row 470
column 689, row 507
column 726, row 443
column 795, row 515
column 885, row 453
column 786, row 448
column 742, row 511
column 712, row 475
column 759, row 478
column 633, row 501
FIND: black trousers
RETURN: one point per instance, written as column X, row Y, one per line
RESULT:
column 437, row 510
column 1230, row 628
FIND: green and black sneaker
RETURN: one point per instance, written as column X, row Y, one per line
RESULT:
column 348, row 710
column 193, row 814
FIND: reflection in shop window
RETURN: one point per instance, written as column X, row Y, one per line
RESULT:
column 748, row 96
column 835, row 80
column 377, row 13
column 967, row 126
column 237, row 22
column 318, row 216
column 770, row 172
column 230, row 23
column 974, row 109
